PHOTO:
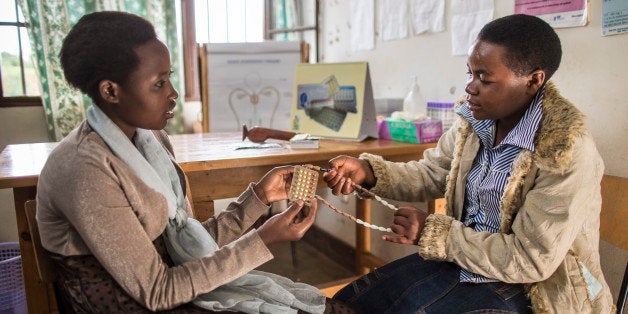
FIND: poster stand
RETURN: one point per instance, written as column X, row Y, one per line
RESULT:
column 334, row 100
column 248, row 83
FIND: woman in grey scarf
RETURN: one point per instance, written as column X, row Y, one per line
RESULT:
column 111, row 202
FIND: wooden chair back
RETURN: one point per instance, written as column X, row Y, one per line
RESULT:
column 44, row 264
column 614, row 211
column 613, row 217
column 45, row 269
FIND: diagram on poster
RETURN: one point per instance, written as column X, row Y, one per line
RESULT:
column 251, row 83
column 334, row 100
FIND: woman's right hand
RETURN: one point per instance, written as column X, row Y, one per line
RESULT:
column 344, row 170
column 289, row 225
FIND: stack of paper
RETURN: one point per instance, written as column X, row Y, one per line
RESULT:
column 303, row 140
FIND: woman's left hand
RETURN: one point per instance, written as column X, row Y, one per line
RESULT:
column 274, row 185
column 289, row 225
column 407, row 224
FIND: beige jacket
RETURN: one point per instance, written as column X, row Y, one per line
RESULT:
column 550, row 210
column 89, row 202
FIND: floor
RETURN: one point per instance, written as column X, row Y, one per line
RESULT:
column 311, row 267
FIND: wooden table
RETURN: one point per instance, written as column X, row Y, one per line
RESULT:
column 215, row 169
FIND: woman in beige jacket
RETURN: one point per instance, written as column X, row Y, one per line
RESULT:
column 521, row 177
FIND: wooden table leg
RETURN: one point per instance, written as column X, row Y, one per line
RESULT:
column 364, row 260
column 37, row 298
column 362, row 236
column 203, row 210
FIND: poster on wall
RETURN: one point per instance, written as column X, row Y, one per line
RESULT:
column 468, row 18
column 614, row 17
column 251, row 83
column 558, row 13
column 334, row 100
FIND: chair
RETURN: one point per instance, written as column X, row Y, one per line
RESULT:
column 330, row 288
column 613, row 217
column 45, row 269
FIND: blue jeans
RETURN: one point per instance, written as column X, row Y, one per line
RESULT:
column 414, row 285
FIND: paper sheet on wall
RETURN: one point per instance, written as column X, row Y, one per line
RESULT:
column 468, row 17
column 614, row 17
column 362, row 25
column 558, row 13
column 428, row 15
column 393, row 19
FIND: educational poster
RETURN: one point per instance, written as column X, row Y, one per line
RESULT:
column 251, row 83
column 334, row 100
column 614, row 17
column 558, row 13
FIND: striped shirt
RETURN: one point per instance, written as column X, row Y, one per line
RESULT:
column 490, row 171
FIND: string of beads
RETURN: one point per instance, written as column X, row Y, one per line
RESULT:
column 356, row 188
column 356, row 220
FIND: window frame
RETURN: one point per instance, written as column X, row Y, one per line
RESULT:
column 190, row 62
column 269, row 32
column 18, row 101
column 190, row 47
column 191, row 69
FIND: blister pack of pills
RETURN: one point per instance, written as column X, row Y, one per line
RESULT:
column 303, row 186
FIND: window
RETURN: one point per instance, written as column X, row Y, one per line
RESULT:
column 220, row 21
column 293, row 20
column 229, row 21
column 18, row 79
column 203, row 21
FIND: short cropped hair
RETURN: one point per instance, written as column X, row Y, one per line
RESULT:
column 101, row 47
column 531, row 44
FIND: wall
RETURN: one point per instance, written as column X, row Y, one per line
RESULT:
column 592, row 75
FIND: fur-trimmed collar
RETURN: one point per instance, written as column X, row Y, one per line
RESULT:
column 560, row 125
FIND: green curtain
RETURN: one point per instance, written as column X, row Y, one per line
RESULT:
column 50, row 20
column 284, row 17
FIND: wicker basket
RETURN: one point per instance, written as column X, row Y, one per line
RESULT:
column 12, row 296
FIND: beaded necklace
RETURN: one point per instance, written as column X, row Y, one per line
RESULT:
column 303, row 187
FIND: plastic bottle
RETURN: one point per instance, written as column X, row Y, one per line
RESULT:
column 414, row 102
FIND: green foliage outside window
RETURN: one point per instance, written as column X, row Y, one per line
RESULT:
column 12, row 76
